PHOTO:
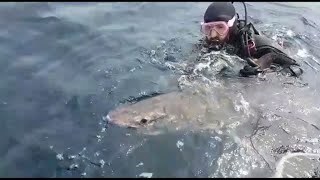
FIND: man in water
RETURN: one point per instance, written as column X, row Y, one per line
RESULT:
column 223, row 29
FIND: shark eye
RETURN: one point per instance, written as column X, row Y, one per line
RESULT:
column 143, row 121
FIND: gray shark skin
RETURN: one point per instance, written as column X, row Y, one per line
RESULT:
column 198, row 109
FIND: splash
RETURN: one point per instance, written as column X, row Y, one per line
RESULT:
column 281, row 164
column 242, row 104
column 302, row 53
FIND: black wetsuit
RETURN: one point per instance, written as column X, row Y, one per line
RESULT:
column 265, row 49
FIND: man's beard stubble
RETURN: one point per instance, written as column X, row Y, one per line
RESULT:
column 214, row 44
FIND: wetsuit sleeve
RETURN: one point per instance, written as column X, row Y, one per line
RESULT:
column 288, row 65
column 284, row 60
column 270, row 52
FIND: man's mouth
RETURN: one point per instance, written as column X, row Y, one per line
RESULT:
column 215, row 40
column 215, row 44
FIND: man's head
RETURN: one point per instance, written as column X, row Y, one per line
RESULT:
column 218, row 19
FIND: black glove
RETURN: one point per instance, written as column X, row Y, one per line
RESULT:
column 249, row 71
column 288, row 65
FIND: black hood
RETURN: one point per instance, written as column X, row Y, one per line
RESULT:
column 219, row 11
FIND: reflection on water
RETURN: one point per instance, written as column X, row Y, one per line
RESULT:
column 64, row 66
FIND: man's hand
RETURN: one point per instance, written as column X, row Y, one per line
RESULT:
column 249, row 71
column 288, row 65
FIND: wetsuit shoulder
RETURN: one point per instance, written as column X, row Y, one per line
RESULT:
column 265, row 45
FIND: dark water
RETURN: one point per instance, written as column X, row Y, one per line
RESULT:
column 63, row 66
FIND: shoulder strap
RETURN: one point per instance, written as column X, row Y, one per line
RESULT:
column 254, row 29
column 245, row 36
column 247, row 28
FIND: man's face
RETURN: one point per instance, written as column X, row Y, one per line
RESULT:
column 215, row 32
column 214, row 37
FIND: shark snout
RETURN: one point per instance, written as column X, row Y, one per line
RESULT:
column 109, row 119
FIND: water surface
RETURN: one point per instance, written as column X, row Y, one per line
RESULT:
column 64, row 66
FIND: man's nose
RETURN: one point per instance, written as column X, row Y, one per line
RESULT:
column 213, row 34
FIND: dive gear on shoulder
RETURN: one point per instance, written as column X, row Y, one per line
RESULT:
column 244, row 30
column 254, row 43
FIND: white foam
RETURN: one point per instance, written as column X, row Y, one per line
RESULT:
column 74, row 166
column 302, row 53
column 280, row 165
column 290, row 33
column 201, row 66
column 140, row 164
column 242, row 105
column 275, row 37
column 59, row 156
column 146, row 175
column 106, row 118
column 218, row 138
column 101, row 163
column 179, row 145
column 71, row 157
